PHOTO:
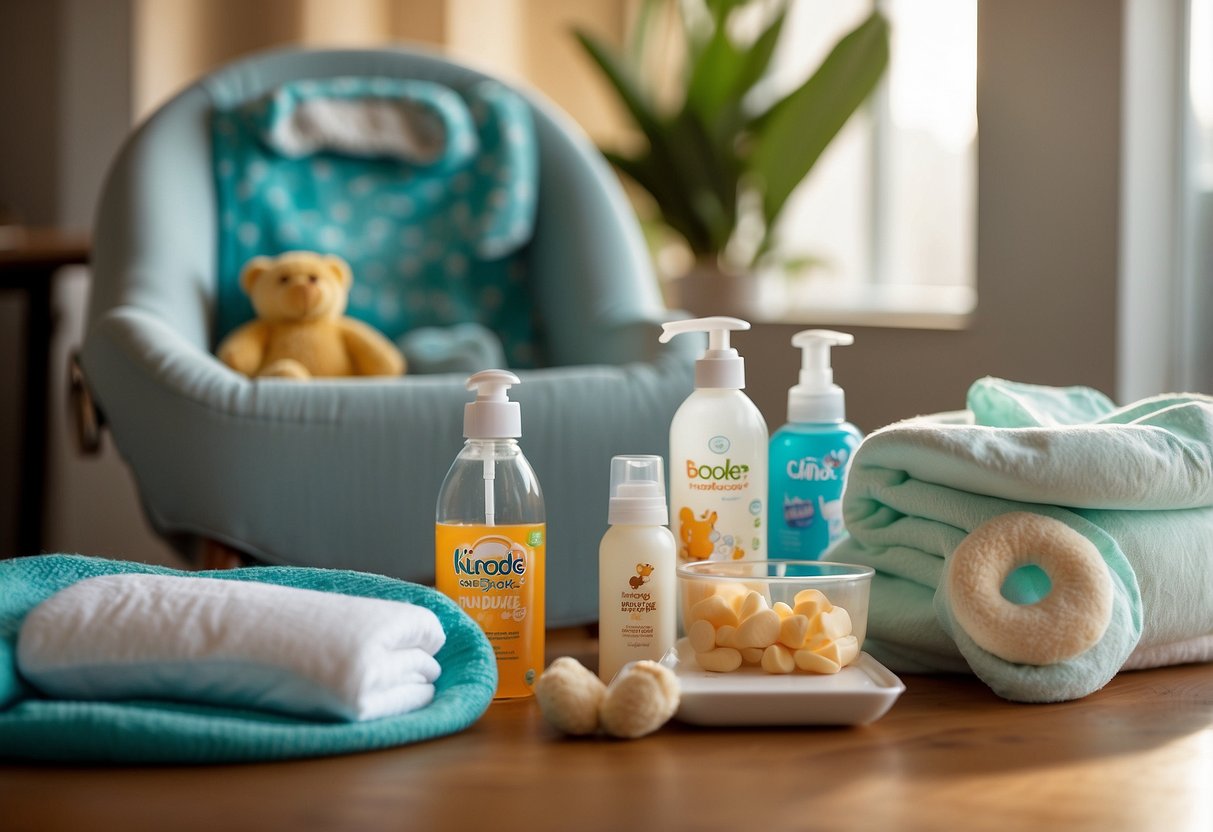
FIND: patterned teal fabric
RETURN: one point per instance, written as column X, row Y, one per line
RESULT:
column 33, row 727
column 434, row 226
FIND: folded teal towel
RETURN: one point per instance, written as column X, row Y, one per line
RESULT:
column 33, row 727
column 1136, row 482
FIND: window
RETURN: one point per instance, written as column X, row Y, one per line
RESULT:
column 1166, row 283
column 887, row 216
column 1196, row 299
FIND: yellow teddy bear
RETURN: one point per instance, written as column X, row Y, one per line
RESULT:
column 301, row 331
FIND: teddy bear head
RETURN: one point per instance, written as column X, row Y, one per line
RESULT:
column 297, row 286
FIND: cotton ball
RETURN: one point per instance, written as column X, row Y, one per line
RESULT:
column 569, row 696
column 640, row 700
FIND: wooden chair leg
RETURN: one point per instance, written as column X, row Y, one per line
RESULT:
column 215, row 555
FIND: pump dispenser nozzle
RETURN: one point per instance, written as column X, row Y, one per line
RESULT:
column 492, row 415
column 817, row 398
column 720, row 366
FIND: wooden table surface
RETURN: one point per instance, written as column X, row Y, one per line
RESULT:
column 950, row 755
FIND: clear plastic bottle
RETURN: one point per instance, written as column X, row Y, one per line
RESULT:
column 636, row 563
column 490, row 536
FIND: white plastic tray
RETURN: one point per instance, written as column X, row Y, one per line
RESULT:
column 858, row 694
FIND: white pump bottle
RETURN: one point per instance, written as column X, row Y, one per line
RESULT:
column 810, row 454
column 718, row 454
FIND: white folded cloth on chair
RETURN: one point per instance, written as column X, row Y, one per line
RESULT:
column 232, row 642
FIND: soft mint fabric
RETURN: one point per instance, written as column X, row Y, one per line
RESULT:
column 463, row 348
column 433, row 238
column 1137, row 481
column 34, row 727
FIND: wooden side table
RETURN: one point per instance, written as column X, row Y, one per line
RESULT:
column 29, row 258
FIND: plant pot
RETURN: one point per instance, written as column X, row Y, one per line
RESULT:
column 707, row 289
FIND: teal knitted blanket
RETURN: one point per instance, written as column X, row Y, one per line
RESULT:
column 34, row 727
column 1136, row 481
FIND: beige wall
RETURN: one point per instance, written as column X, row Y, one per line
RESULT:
column 176, row 41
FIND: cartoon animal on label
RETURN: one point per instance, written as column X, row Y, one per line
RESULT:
column 832, row 512
column 643, row 571
column 696, row 534
column 701, row 541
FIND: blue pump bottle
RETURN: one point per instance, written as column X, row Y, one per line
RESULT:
column 809, row 456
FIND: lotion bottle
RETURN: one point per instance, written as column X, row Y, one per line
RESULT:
column 718, row 454
column 490, row 536
column 636, row 562
column 810, row 455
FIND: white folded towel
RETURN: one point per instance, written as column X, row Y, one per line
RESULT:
column 235, row 643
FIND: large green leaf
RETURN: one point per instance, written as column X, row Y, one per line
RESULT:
column 671, row 199
column 675, row 199
column 707, row 129
column 794, row 133
column 758, row 56
column 711, row 178
column 720, row 9
column 722, row 74
column 625, row 86
column 685, row 173
column 714, row 75
column 636, row 45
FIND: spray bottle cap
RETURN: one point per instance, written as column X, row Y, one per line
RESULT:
column 817, row 398
column 492, row 415
column 637, row 491
column 720, row 366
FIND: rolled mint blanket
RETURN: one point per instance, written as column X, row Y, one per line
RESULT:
column 987, row 528
column 277, row 648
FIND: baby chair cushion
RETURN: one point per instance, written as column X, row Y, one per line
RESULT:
column 428, row 193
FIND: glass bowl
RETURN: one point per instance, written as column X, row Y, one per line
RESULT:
column 846, row 585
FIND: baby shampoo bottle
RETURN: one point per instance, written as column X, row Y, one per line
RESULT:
column 810, row 455
column 718, row 454
column 490, row 535
column 636, row 562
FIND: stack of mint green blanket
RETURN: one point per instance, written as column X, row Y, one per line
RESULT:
column 36, row 727
column 1136, row 481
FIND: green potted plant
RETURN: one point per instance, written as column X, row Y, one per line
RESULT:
column 718, row 165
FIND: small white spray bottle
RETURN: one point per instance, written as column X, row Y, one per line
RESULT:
column 810, row 454
column 636, row 562
column 718, row 454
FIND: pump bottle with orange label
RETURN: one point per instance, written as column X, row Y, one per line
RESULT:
column 718, row 454
column 490, row 536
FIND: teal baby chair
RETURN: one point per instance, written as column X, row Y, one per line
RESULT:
column 481, row 226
